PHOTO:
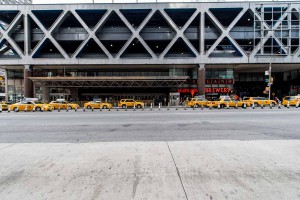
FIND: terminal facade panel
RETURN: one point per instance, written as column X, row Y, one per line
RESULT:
column 148, row 51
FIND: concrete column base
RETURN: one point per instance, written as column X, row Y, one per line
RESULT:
column 46, row 94
column 74, row 93
column 201, row 80
column 28, row 85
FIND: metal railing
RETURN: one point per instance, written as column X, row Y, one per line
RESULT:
column 150, row 1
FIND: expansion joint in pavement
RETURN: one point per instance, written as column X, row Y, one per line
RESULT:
column 7, row 146
column 178, row 173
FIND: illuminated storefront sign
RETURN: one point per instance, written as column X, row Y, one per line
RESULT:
column 222, row 90
column 218, row 90
column 219, row 81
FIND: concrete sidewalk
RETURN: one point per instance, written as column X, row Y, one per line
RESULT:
column 151, row 170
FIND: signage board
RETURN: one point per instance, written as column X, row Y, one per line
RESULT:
column 219, row 81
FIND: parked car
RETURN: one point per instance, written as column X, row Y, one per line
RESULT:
column 130, row 103
column 22, row 106
column 40, row 105
column 63, row 105
column 197, row 102
column 258, row 101
column 226, row 100
column 292, row 99
column 4, row 106
column 97, row 105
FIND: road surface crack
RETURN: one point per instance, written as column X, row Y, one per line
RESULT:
column 178, row 173
column 7, row 146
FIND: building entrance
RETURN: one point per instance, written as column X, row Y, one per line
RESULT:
column 114, row 95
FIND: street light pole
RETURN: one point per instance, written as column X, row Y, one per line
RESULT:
column 270, row 81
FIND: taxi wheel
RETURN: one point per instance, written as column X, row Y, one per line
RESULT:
column 37, row 109
column 15, row 109
column 139, row 106
column 123, row 106
column 104, row 107
column 222, row 105
column 256, row 104
column 196, row 105
column 69, row 107
column 273, row 104
column 89, row 107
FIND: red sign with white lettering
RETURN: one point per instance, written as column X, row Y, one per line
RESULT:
column 217, row 90
column 207, row 90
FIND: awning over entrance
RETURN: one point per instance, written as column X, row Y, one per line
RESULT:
column 119, row 81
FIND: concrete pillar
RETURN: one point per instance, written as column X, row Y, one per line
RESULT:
column 27, row 35
column 46, row 94
column 74, row 93
column 28, row 86
column 6, row 85
column 201, row 80
column 202, row 33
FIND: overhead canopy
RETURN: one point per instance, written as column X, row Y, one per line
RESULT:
column 115, row 81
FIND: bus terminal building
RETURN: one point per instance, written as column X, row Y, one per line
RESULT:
column 149, row 50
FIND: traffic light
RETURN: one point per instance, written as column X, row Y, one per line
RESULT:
column 267, row 90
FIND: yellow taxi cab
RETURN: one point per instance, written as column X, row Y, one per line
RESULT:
column 42, row 106
column 130, row 103
column 38, row 105
column 22, row 106
column 4, row 105
column 63, row 104
column 292, row 99
column 258, row 101
column 197, row 102
column 96, row 105
column 226, row 100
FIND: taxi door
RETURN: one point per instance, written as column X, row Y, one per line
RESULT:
column 54, row 105
column 30, row 106
column 266, row 101
column 260, row 101
column 97, row 105
column 63, row 105
column 232, row 103
column 226, row 101
column 21, row 106
column 131, row 103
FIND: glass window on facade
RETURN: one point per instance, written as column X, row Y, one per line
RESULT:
column 219, row 82
column 250, row 77
column 15, row 84
column 222, row 73
column 229, row 74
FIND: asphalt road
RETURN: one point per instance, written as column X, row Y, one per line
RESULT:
column 177, row 154
column 163, row 125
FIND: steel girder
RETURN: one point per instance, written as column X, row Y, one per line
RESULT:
column 203, row 56
column 112, row 83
